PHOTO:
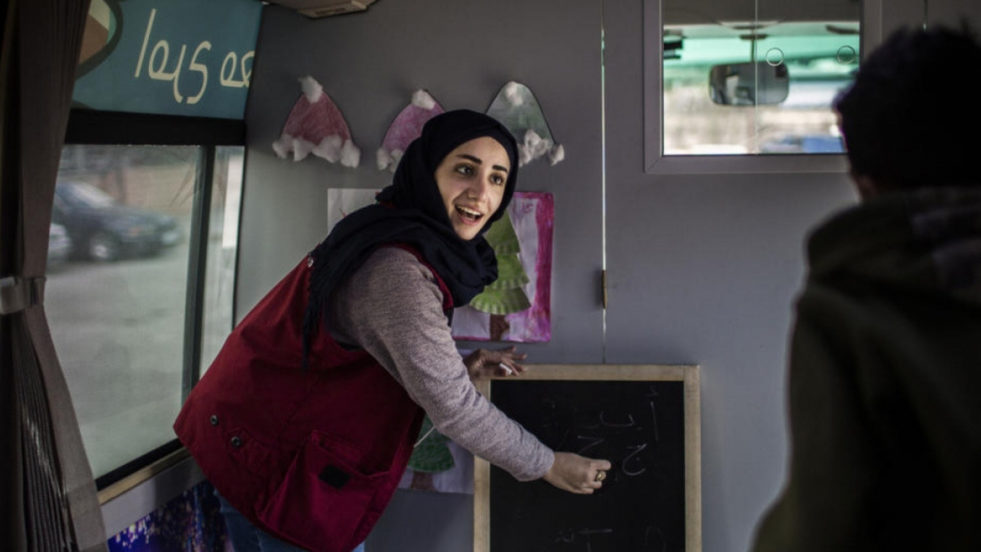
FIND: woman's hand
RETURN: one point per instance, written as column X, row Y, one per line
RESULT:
column 483, row 363
column 577, row 474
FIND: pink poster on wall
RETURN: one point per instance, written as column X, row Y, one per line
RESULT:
column 518, row 306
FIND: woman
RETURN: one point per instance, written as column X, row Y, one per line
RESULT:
column 306, row 419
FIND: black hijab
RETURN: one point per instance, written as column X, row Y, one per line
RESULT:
column 411, row 211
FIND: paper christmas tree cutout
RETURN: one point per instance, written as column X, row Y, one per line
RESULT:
column 406, row 127
column 315, row 125
column 431, row 455
column 517, row 109
column 506, row 294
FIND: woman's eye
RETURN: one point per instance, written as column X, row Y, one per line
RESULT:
column 465, row 170
column 497, row 179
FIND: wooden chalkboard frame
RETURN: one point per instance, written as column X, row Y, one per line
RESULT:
column 688, row 374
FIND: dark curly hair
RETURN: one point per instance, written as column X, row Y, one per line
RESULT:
column 912, row 118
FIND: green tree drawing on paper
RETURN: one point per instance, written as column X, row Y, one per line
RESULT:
column 431, row 454
column 506, row 294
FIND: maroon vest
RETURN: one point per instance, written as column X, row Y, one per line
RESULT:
column 312, row 456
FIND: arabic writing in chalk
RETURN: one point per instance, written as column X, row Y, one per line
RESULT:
column 627, row 434
column 158, row 65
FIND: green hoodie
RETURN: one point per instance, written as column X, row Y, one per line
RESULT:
column 885, row 382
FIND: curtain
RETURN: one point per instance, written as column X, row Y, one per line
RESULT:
column 48, row 495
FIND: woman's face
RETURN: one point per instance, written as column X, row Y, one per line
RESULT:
column 471, row 180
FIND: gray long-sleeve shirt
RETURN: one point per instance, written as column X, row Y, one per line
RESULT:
column 392, row 308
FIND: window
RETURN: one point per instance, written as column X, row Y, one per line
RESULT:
column 221, row 253
column 747, row 85
column 750, row 88
column 143, row 240
column 141, row 274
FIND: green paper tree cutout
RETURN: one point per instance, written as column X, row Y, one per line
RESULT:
column 506, row 294
column 431, row 455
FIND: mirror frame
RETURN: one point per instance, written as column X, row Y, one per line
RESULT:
column 655, row 162
column 720, row 74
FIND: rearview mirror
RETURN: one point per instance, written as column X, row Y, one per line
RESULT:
column 749, row 83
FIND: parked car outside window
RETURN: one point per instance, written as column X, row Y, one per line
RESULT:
column 102, row 229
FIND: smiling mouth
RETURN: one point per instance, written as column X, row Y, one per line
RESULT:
column 469, row 215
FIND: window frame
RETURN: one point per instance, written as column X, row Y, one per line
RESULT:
column 655, row 162
column 91, row 127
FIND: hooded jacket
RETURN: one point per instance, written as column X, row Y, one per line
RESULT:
column 885, row 381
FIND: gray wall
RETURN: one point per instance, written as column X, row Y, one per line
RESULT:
column 370, row 64
column 702, row 268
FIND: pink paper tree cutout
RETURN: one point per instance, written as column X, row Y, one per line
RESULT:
column 315, row 125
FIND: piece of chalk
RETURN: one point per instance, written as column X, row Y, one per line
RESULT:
column 507, row 368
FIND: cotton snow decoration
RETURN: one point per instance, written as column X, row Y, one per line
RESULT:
column 422, row 100
column 406, row 127
column 556, row 154
column 514, row 93
column 517, row 109
column 315, row 125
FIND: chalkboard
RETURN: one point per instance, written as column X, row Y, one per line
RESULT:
column 643, row 418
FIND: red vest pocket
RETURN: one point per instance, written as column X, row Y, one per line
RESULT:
column 324, row 497
column 251, row 454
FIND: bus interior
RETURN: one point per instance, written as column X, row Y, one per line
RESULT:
column 159, row 179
